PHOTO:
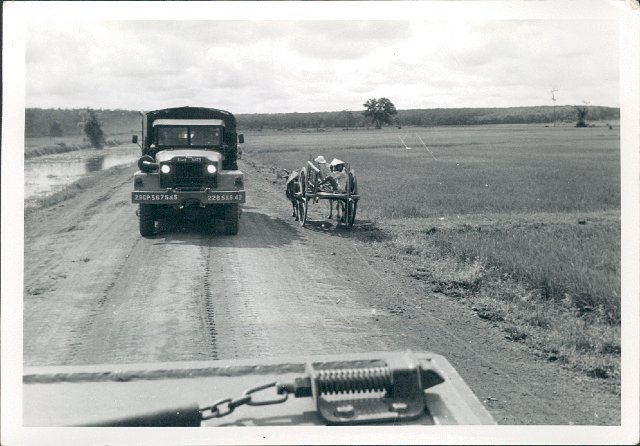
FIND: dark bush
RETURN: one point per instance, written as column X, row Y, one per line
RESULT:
column 93, row 129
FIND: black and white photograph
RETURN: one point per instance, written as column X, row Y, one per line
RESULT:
column 320, row 222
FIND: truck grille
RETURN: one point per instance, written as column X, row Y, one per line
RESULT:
column 187, row 174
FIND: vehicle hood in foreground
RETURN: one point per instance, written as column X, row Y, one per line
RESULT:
column 364, row 384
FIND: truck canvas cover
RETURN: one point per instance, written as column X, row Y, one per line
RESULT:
column 191, row 113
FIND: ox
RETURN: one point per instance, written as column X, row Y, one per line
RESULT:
column 293, row 187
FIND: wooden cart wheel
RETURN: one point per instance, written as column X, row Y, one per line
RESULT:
column 351, row 214
column 351, row 204
column 303, row 202
column 353, row 182
column 302, row 178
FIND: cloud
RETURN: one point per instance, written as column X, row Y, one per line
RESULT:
column 274, row 66
column 345, row 40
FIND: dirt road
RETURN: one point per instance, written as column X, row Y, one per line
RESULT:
column 96, row 292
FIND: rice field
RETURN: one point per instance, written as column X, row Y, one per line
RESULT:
column 466, row 170
column 536, row 209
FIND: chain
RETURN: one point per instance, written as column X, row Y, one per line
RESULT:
column 217, row 409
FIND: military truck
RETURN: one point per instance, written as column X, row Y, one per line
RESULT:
column 188, row 168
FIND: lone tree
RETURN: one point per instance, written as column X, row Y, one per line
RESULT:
column 93, row 129
column 582, row 114
column 380, row 111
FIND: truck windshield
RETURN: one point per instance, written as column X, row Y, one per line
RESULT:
column 188, row 136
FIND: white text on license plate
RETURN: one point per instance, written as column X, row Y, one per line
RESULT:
column 155, row 197
column 225, row 197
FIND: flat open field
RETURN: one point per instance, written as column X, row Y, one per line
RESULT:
column 522, row 222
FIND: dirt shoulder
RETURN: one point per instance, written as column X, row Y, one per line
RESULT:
column 96, row 292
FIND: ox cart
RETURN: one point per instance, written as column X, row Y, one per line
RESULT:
column 304, row 188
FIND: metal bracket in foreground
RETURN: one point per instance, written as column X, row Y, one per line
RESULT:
column 382, row 391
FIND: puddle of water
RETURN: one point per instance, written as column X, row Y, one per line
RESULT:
column 48, row 174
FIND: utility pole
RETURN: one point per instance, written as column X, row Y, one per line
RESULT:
column 553, row 98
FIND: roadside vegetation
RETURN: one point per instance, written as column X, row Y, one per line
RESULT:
column 521, row 223
column 45, row 145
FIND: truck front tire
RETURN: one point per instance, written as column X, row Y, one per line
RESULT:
column 147, row 220
column 231, row 218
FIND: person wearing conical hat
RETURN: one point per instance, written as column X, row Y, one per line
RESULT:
column 339, row 175
column 322, row 165
column 338, row 181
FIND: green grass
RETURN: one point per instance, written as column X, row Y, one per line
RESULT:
column 478, row 169
column 587, row 340
column 521, row 222
column 562, row 260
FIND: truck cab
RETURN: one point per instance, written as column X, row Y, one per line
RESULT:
column 189, row 168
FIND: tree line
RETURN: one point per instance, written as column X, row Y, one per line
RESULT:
column 63, row 122
column 427, row 117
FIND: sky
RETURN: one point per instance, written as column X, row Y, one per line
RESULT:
column 259, row 66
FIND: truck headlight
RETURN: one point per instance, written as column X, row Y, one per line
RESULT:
column 211, row 168
column 165, row 168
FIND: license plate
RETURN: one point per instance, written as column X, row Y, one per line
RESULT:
column 172, row 198
column 146, row 197
column 222, row 197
